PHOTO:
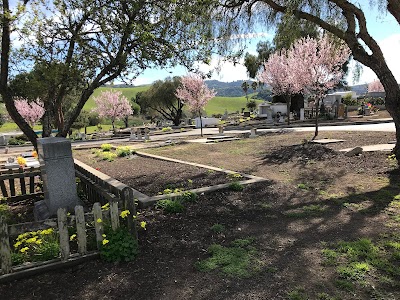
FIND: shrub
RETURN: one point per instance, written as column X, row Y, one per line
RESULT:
column 165, row 129
column 218, row 228
column 119, row 245
column 188, row 197
column 108, row 156
column 106, row 147
column 41, row 245
column 14, row 141
column 123, row 151
column 236, row 186
column 251, row 105
column 170, row 206
column 234, row 176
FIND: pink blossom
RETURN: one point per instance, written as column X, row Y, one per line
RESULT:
column 319, row 64
column 194, row 92
column 31, row 111
column 375, row 86
column 112, row 104
column 280, row 73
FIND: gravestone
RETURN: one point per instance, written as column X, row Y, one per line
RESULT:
column 221, row 129
column 253, row 133
column 301, row 114
column 146, row 134
column 132, row 137
column 269, row 113
column 58, row 174
column 138, row 134
column 3, row 141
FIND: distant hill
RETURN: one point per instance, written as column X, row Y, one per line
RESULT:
column 228, row 89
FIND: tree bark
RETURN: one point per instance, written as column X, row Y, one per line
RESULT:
column 288, row 99
column 356, row 30
column 201, row 125
column 316, row 118
column 4, row 69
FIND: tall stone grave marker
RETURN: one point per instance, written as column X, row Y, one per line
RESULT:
column 58, row 174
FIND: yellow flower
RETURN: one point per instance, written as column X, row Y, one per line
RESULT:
column 105, row 241
column 31, row 240
column 72, row 237
column 38, row 242
column 17, row 244
column 99, row 220
column 22, row 236
column 103, row 235
column 68, row 214
column 34, row 154
column 23, row 250
column 143, row 225
column 47, row 231
column 106, row 206
column 21, row 161
column 124, row 213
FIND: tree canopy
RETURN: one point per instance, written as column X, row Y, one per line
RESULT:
column 161, row 98
column 343, row 19
column 99, row 41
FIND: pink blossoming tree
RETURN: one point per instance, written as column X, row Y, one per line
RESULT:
column 112, row 104
column 31, row 111
column 280, row 73
column 194, row 92
column 375, row 86
column 318, row 66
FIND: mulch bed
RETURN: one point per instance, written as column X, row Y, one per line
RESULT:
column 152, row 176
column 288, row 248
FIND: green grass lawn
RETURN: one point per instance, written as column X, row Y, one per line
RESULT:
column 217, row 105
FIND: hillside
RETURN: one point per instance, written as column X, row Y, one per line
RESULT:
column 128, row 92
column 217, row 105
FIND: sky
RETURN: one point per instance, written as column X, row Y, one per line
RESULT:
column 383, row 28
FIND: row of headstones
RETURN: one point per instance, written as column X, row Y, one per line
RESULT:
column 253, row 131
column 139, row 134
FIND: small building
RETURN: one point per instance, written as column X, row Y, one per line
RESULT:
column 330, row 99
column 269, row 110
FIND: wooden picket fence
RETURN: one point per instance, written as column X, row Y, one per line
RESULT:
column 97, row 188
column 20, row 184
column 61, row 224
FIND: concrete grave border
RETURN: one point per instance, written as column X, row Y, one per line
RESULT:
column 146, row 202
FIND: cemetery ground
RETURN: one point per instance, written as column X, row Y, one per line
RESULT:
column 323, row 226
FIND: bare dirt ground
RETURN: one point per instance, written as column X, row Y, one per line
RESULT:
column 324, row 226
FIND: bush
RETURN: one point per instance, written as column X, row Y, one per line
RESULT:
column 188, row 197
column 108, row 156
column 94, row 119
column 236, row 186
column 15, row 141
column 170, row 206
column 251, row 105
column 165, row 129
column 123, row 151
column 119, row 245
column 41, row 245
column 350, row 102
column 106, row 147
